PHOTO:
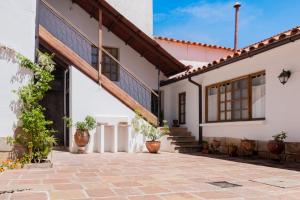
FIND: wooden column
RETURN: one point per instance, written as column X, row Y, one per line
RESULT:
column 100, row 36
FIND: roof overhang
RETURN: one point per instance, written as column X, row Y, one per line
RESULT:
column 133, row 36
column 247, row 52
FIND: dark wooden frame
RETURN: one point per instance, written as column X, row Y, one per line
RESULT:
column 249, row 98
column 112, row 61
column 182, row 95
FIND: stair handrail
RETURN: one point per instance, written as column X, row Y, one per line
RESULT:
column 59, row 15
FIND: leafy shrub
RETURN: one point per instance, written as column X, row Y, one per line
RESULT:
column 36, row 135
column 89, row 123
column 280, row 137
column 150, row 132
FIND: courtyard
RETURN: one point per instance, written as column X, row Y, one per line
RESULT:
column 166, row 176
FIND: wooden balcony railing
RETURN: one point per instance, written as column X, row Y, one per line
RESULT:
column 68, row 41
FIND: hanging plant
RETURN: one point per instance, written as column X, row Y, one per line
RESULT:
column 37, row 137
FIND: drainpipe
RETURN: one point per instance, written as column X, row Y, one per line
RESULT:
column 158, row 98
column 37, row 23
column 200, row 109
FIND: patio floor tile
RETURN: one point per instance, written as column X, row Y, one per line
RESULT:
column 144, row 176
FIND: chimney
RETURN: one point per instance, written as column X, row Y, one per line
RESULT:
column 237, row 6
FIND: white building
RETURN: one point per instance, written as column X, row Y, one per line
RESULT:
column 73, row 30
column 240, row 96
column 118, row 34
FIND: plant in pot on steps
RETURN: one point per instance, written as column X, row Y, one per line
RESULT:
column 247, row 146
column 82, row 135
column 205, row 147
column 276, row 146
column 232, row 150
column 152, row 134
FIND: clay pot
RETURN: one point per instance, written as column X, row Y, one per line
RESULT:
column 216, row 144
column 205, row 147
column 232, row 150
column 153, row 146
column 82, row 138
column 248, row 145
column 176, row 123
column 275, row 147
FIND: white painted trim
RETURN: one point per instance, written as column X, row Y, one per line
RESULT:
column 240, row 123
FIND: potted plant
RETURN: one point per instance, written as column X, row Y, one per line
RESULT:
column 215, row 145
column 176, row 123
column 82, row 135
column 205, row 147
column 276, row 146
column 232, row 150
column 151, row 133
column 247, row 146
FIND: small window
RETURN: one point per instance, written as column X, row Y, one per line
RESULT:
column 236, row 100
column 182, row 105
column 95, row 57
column 110, row 68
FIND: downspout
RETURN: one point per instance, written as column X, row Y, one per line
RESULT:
column 37, row 23
column 158, row 98
column 200, row 109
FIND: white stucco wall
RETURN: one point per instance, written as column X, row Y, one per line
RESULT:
column 193, row 55
column 17, row 32
column 129, row 58
column 282, row 101
column 140, row 12
column 88, row 98
column 171, row 107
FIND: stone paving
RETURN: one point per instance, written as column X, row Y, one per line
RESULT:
column 143, row 176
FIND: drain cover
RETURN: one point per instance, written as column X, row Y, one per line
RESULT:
column 224, row 184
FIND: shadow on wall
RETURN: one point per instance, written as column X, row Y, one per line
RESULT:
column 22, row 76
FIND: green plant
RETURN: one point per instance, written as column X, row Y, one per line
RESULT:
column 89, row 123
column 280, row 137
column 36, row 136
column 150, row 132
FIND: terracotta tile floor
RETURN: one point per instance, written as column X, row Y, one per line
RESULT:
column 144, row 176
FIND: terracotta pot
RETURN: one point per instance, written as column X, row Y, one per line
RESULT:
column 216, row 144
column 232, row 150
column 82, row 138
column 205, row 148
column 176, row 123
column 153, row 146
column 275, row 147
column 248, row 145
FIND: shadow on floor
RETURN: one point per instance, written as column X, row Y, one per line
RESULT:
column 254, row 160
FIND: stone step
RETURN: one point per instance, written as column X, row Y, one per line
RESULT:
column 181, row 138
column 184, row 143
column 180, row 133
column 178, row 129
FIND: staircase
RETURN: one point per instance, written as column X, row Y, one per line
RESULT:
column 66, row 41
column 183, row 141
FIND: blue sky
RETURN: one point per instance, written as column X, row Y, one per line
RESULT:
column 212, row 21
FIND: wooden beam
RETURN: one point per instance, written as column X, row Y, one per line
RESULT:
column 129, row 40
column 100, row 43
column 111, row 26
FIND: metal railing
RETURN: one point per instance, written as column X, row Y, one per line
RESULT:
column 72, row 37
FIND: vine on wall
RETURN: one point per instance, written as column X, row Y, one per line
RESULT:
column 36, row 137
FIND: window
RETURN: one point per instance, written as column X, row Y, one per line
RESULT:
column 236, row 100
column 110, row 68
column 95, row 57
column 182, row 102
